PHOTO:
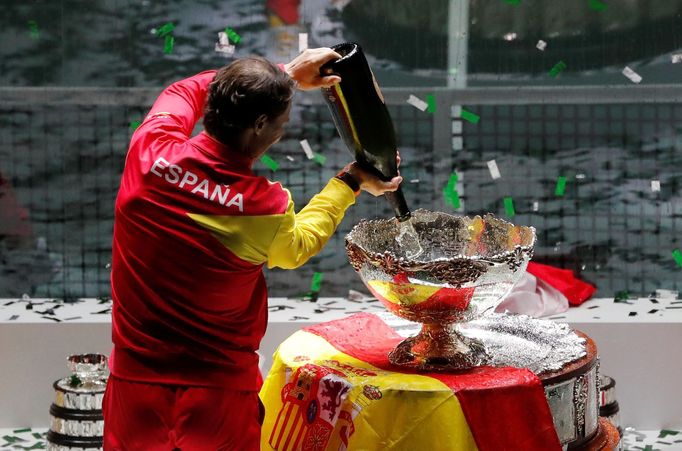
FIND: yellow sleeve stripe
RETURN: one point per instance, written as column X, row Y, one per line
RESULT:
column 303, row 235
column 248, row 237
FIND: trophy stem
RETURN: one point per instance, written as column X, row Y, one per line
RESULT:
column 439, row 347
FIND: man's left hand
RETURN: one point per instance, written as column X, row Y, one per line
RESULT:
column 305, row 69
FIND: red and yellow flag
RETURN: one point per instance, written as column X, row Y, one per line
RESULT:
column 331, row 387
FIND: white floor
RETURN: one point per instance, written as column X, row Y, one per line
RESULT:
column 638, row 343
column 633, row 440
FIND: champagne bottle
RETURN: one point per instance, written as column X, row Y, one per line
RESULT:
column 362, row 119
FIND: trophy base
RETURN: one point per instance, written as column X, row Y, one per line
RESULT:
column 439, row 347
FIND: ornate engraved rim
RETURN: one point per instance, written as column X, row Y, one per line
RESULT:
column 459, row 270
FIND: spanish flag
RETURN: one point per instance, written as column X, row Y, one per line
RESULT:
column 332, row 387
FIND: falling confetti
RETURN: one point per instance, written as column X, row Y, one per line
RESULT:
column 632, row 75
column 494, row 170
column 509, row 36
column 165, row 30
column 223, row 45
column 134, row 125
column 541, row 45
column 417, row 103
column 319, row 159
column 269, row 162
column 655, row 186
column 302, row 42
column 676, row 58
column 168, row 44
column 470, row 117
column 33, row 29
column 513, row 2
column 307, row 149
column 317, row 282
column 509, row 207
column 450, row 192
column 233, row 35
column 431, row 102
column 598, row 5
column 557, row 69
column 560, row 186
column 677, row 255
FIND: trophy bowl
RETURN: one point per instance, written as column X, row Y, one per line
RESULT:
column 467, row 266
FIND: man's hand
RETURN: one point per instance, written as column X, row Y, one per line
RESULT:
column 371, row 183
column 305, row 69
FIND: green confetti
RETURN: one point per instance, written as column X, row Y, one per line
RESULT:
column 319, row 159
column 450, row 192
column 168, row 45
column 597, row 5
column 134, row 125
column 557, row 69
column 13, row 439
column 509, row 207
column 74, row 381
column 431, row 101
column 233, row 35
column 560, row 186
column 269, row 162
column 677, row 255
column 33, row 29
column 469, row 116
column 37, row 435
column 513, row 2
column 18, row 431
column 666, row 432
column 316, row 283
column 165, row 29
column 622, row 296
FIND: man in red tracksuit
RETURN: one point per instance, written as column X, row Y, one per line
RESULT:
column 193, row 228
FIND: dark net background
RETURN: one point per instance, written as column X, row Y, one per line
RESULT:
column 60, row 162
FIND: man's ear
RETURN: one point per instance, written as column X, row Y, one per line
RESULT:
column 259, row 125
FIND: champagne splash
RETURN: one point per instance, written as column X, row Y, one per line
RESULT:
column 408, row 240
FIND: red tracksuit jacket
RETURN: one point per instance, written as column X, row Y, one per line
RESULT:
column 193, row 228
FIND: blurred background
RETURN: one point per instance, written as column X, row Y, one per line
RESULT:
column 544, row 76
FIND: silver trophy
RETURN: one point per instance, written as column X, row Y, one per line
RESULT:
column 76, row 420
column 467, row 266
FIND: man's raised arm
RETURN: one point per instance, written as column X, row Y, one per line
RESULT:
column 179, row 107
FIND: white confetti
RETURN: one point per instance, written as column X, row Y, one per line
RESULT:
column 510, row 36
column 417, row 102
column 655, row 186
column 676, row 58
column 457, row 143
column 536, row 205
column 456, row 111
column 494, row 171
column 414, row 181
column 290, row 158
column 307, row 149
column 541, row 45
column 632, row 75
column 456, row 127
column 223, row 45
column 302, row 42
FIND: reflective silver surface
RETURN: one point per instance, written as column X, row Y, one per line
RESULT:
column 77, row 428
column 88, row 367
column 80, row 398
column 467, row 266
column 514, row 340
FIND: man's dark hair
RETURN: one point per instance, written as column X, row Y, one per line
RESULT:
column 241, row 92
